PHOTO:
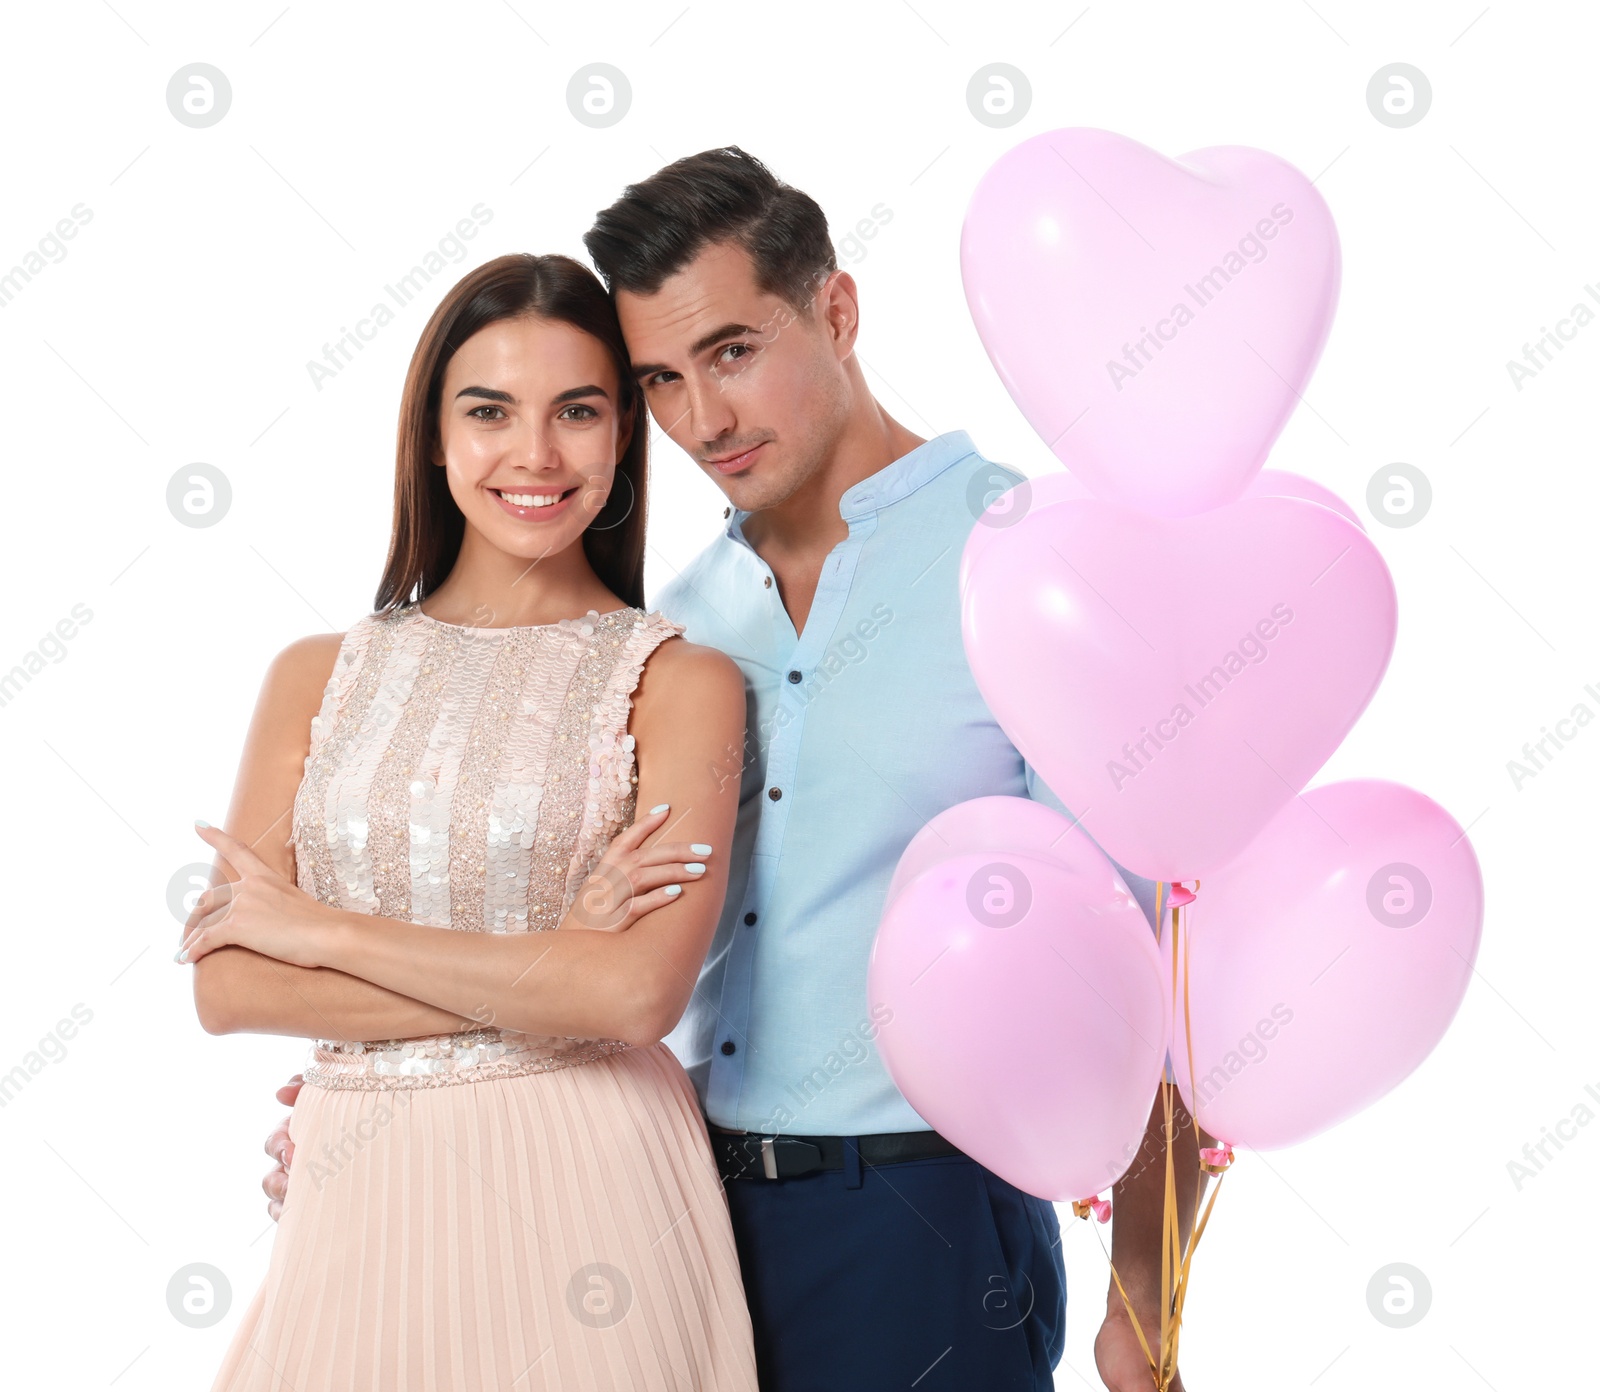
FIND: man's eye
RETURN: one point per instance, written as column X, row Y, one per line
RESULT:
column 742, row 348
column 656, row 379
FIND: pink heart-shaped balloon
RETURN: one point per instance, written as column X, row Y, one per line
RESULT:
column 1005, row 824
column 1023, row 1008
column 1010, row 507
column 1278, row 483
column 1156, row 320
column 1174, row 682
column 1058, row 486
column 1325, row 963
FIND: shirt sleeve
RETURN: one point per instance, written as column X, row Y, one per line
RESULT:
column 1143, row 890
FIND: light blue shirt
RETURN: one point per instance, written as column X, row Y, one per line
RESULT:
column 859, row 730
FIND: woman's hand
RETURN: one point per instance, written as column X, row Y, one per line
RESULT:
column 631, row 880
column 260, row 910
column 281, row 1148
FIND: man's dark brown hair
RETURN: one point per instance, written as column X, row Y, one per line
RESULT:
column 724, row 195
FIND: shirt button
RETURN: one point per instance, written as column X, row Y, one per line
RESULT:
column 794, row 676
column 774, row 793
column 750, row 917
column 728, row 1046
column 727, row 511
column 767, row 581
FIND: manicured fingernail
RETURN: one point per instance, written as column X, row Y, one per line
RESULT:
column 674, row 889
column 700, row 847
column 662, row 808
column 202, row 822
column 694, row 867
column 180, row 956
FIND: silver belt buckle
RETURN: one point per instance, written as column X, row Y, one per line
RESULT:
column 769, row 1161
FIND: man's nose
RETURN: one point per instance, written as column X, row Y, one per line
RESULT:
column 710, row 415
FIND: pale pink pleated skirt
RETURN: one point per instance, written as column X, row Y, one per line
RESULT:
column 564, row 1229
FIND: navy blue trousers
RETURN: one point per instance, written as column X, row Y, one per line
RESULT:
column 930, row 1272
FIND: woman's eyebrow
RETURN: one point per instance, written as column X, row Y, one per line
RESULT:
column 576, row 393
column 571, row 394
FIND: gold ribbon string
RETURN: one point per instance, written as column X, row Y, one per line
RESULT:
column 1175, row 1262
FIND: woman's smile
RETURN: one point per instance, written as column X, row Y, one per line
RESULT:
column 534, row 507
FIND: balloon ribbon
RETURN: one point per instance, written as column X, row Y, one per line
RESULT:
column 1214, row 1160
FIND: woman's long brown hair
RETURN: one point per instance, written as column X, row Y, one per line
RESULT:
column 428, row 526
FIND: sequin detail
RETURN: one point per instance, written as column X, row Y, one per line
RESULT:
column 475, row 1056
column 389, row 802
column 582, row 800
column 468, row 778
column 346, row 703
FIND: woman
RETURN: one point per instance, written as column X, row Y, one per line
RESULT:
column 432, row 869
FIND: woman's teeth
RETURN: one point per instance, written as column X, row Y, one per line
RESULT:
column 531, row 499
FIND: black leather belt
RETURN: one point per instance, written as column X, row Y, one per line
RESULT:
column 750, row 1155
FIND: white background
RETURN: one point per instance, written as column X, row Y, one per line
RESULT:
column 217, row 261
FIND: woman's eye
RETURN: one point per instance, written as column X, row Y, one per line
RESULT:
column 579, row 406
column 477, row 412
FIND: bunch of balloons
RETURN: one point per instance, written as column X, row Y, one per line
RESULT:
column 1176, row 641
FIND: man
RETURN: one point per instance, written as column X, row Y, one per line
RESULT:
column 874, row 1253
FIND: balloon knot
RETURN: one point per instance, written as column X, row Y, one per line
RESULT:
column 1178, row 896
column 1101, row 1208
column 1215, row 1159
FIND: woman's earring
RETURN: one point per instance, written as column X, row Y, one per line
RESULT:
column 611, row 497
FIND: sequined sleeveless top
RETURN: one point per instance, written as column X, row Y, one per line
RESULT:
column 468, row 778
